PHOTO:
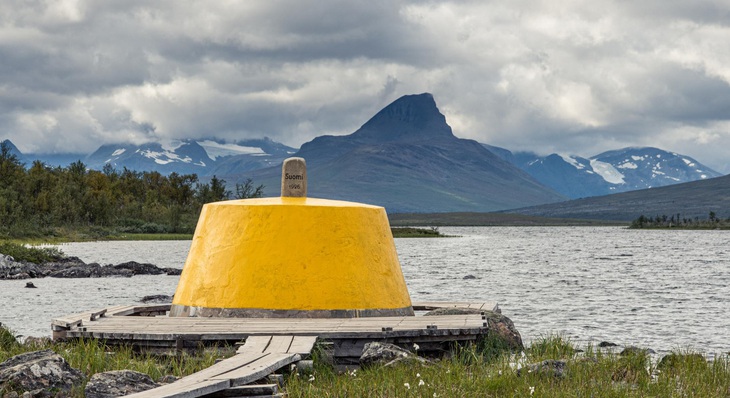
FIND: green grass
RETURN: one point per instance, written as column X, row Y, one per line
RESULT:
column 31, row 254
column 93, row 356
column 473, row 371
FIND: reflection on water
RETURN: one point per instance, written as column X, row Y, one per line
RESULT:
column 658, row 289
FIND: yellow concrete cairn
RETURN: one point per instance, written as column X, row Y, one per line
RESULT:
column 292, row 257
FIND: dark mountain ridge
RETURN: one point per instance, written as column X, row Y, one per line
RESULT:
column 690, row 199
column 407, row 159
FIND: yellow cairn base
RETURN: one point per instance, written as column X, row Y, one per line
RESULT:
column 292, row 257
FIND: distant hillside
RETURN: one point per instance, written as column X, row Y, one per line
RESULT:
column 620, row 170
column 692, row 199
column 407, row 159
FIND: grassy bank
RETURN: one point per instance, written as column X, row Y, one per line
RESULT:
column 478, row 373
column 471, row 372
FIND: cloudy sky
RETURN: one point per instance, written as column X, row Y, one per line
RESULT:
column 575, row 77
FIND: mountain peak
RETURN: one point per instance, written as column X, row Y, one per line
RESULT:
column 410, row 117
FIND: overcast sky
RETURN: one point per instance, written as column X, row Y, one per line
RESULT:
column 575, row 77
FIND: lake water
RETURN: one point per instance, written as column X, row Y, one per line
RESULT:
column 658, row 289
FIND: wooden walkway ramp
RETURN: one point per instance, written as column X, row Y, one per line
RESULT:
column 258, row 357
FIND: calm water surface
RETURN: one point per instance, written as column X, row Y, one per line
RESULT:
column 657, row 289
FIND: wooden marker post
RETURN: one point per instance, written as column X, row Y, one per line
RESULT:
column 294, row 178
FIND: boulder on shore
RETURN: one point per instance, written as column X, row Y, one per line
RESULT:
column 41, row 373
column 386, row 354
column 118, row 383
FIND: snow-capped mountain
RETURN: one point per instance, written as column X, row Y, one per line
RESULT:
column 615, row 171
column 204, row 157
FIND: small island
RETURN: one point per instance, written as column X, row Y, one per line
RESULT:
column 413, row 232
column 676, row 221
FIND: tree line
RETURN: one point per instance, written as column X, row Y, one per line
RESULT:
column 37, row 199
column 677, row 221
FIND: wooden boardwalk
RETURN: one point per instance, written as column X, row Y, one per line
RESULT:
column 258, row 357
column 270, row 343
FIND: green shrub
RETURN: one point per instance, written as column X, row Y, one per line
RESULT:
column 35, row 255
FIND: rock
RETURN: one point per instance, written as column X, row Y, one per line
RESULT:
column 42, row 373
column 386, row 354
column 469, row 277
column 157, row 298
column 140, row 268
column 7, row 261
column 605, row 344
column 72, row 272
column 30, row 285
column 504, row 329
column 633, row 350
column 550, row 367
column 72, row 267
column 673, row 360
column 118, row 383
column 167, row 379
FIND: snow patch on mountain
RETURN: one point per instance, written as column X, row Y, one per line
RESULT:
column 216, row 150
column 628, row 165
column 119, row 152
column 607, row 172
column 572, row 161
column 165, row 157
column 171, row 145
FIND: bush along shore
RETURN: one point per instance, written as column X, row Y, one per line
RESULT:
column 550, row 367
column 20, row 262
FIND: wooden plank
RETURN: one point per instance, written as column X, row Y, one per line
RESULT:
column 302, row 345
column 206, row 381
column 259, row 369
column 183, row 390
column 255, row 344
column 279, row 344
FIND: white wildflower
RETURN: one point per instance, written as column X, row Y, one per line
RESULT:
column 421, row 383
column 311, row 378
column 532, row 390
column 407, row 386
column 415, row 346
column 418, row 375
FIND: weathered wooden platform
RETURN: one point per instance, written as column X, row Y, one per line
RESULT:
column 147, row 327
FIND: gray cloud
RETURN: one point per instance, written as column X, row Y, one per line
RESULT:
column 533, row 75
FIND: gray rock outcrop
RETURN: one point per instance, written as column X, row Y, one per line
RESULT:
column 41, row 373
column 386, row 354
column 550, row 367
column 118, row 383
column 73, row 267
